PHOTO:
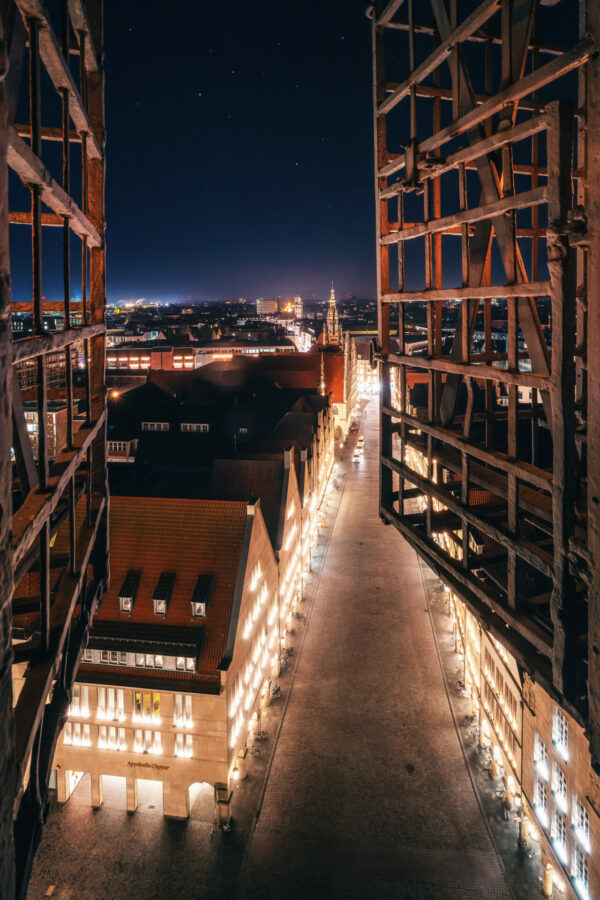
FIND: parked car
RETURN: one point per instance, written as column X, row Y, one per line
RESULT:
column 356, row 456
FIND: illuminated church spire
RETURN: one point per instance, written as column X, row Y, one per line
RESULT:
column 333, row 325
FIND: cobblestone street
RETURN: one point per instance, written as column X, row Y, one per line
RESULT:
column 369, row 794
column 367, row 791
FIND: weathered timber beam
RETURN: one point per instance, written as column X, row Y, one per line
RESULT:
column 38, row 507
column 477, row 519
column 48, row 133
column 550, row 71
column 389, row 12
column 32, row 699
column 480, row 37
column 534, row 197
column 524, row 471
column 58, row 70
column 31, row 170
column 483, row 372
column 51, row 220
column 79, row 20
column 536, row 504
column 27, row 348
column 477, row 18
column 428, row 169
column 522, row 624
column 484, row 292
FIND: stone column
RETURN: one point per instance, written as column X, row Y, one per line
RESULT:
column 548, row 880
column 63, row 789
column 176, row 801
column 97, row 792
column 132, row 794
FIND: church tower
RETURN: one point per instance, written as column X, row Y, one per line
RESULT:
column 333, row 325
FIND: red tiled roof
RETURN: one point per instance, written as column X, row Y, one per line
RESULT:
column 187, row 537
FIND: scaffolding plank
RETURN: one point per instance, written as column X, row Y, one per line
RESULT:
column 534, row 197
column 27, row 348
column 529, row 289
column 31, row 170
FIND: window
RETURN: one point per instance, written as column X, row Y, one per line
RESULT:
column 125, row 604
column 122, row 659
column 150, row 660
column 560, row 733
column 540, row 801
column 183, row 710
column 540, row 758
column 195, row 427
column 146, row 706
column 559, row 835
column 581, row 823
column 160, row 607
column 114, row 656
column 580, row 871
column 180, row 662
column 155, row 426
column 157, row 746
column 158, row 662
column 183, row 745
column 138, row 745
column 104, row 656
column 559, row 787
column 198, row 609
column 147, row 741
column 139, row 659
column 68, row 734
column 189, row 664
column 243, row 430
column 80, row 704
column 120, row 704
column 87, row 655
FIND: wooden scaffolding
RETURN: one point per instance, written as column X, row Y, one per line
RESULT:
column 486, row 174
column 53, row 486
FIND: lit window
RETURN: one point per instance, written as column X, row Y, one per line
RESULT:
column 147, row 741
column 68, row 734
column 150, row 660
column 101, row 703
column 138, row 744
column 160, row 607
column 87, row 655
column 183, row 710
column 125, row 604
column 559, row 835
column 157, row 745
column 183, row 745
column 104, row 656
column 180, row 662
column 114, row 656
column 198, row 609
column 189, row 664
column 559, row 787
column 139, row 659
column 581, row 823
column 560, row 733
column 540, row 801
column 580, row 871
column 158, row 662
column 123, row 659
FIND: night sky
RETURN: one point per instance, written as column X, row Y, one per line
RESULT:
column 239, row 155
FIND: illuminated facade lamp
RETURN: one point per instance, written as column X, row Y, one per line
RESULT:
column 236, row 773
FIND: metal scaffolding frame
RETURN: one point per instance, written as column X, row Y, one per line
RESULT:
column 59, row 499
column 486, row 147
